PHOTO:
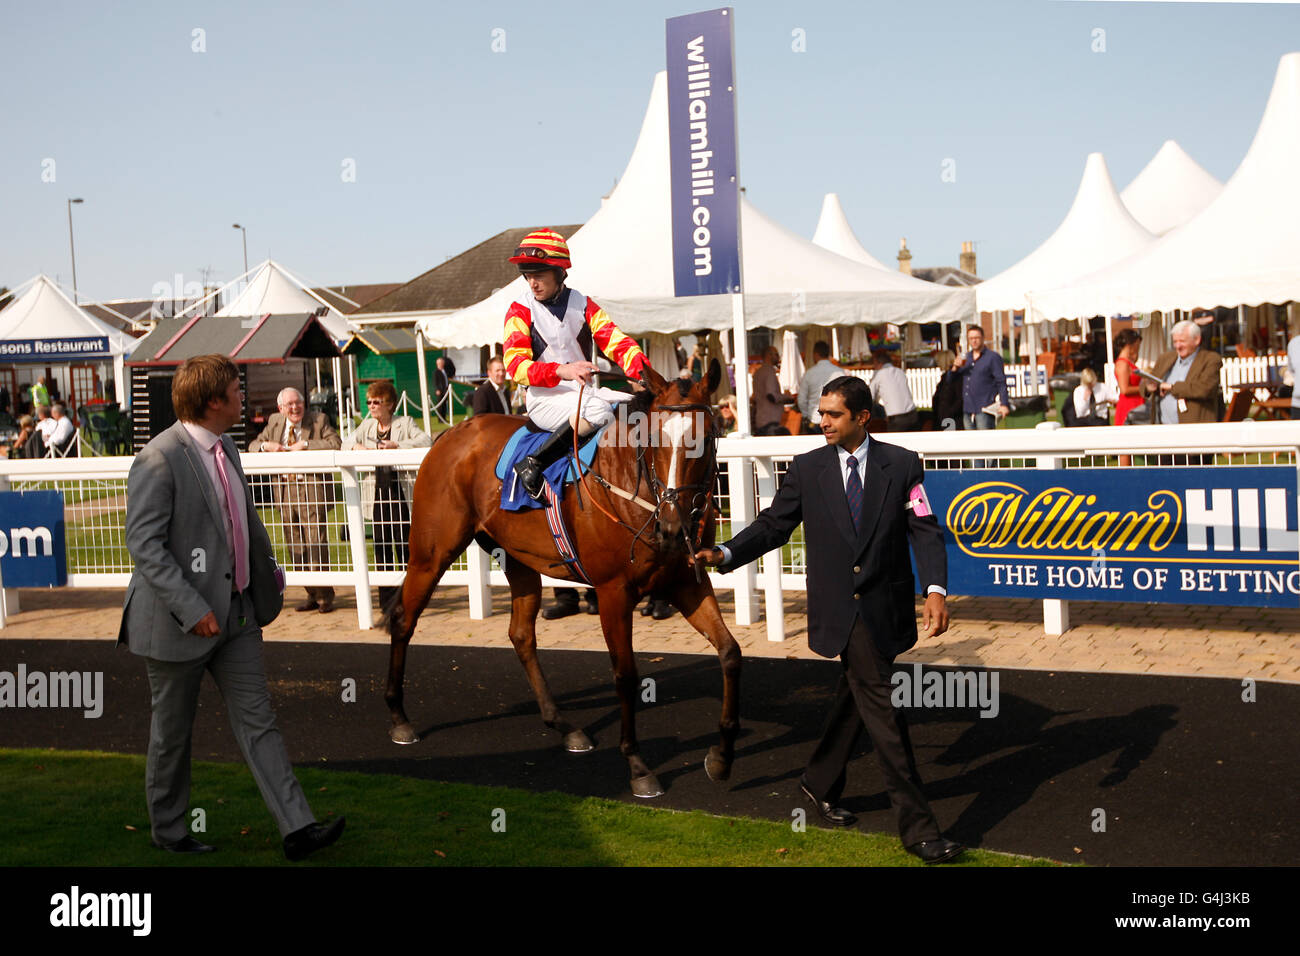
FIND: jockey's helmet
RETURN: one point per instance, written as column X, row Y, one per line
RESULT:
column 541, row 250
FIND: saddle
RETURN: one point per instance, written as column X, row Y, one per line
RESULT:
column 524, row 442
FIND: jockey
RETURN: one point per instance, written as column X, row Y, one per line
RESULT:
column 549, row 339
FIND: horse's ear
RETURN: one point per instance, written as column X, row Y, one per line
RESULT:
column 715, row 375
column 652, row 379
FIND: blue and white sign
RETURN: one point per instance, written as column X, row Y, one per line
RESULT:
column 1160, row 535
column 55, row 349
column 702, row 153
column 33, row 549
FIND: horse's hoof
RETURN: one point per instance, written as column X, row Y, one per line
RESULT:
column 717, row 766
column 577, row 742
column 647, row 787
column 404, row 734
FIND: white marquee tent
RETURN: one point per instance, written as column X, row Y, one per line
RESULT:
column 623, row 258
column 835, row 233
column 1097, row 231
column 273, row 290
column 1170, row 190
column 41, row 316
column 1242, row 249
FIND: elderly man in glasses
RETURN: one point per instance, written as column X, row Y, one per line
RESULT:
column 303, row 498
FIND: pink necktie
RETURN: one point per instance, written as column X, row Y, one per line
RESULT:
column 237, row 541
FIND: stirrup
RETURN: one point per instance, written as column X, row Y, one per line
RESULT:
column 530, row 475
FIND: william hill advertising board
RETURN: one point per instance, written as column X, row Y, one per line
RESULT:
column 1165, row 535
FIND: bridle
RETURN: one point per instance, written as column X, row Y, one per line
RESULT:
column 691, row 501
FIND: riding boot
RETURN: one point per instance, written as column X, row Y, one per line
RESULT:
column 552, row 450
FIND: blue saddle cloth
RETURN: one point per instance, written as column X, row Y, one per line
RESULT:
column 525, row 442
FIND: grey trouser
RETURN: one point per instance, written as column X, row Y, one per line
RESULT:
column 236, row 665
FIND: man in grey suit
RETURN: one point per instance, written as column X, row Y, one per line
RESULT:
column 204, row 579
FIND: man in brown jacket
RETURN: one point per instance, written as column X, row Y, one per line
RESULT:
column 1190, row 390
column 304, row 499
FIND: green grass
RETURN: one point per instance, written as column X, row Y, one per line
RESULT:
column 70, row 808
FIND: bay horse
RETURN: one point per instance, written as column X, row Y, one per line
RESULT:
column 644, row 508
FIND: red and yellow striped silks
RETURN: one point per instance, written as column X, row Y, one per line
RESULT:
column 525, row 370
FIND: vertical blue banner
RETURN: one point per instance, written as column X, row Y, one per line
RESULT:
column 702, row 153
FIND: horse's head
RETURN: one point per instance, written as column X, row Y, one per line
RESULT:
column 680, row 457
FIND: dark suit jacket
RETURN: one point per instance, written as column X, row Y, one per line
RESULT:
column 486, row 401
column 1201, row 387
column 866, row 573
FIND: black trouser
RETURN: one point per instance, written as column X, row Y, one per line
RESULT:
column 862, row 699
column 905, row 422
column 391, row 525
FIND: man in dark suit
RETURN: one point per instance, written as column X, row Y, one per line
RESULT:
column 860, row 503
column 203, row 580
column 492, row 397
column 304, row 499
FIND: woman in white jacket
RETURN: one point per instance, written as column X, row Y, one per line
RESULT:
column 390, row 515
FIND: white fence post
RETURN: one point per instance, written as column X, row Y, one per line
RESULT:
column 1056, row 611
column 741, row 484
column 773, row 599
column 480, row 590
column 357, row 543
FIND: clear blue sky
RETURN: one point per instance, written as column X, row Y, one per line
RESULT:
column 453, row 142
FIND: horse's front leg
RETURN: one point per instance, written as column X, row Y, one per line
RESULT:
column 616, row 604
column 699, row 606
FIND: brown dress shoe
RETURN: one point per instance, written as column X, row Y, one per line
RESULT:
column 310, row 603
column 326, row 605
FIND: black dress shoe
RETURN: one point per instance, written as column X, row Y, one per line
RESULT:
column 835, row 816
column 662, row 610
column 314, row 836
column 557, row 611
column 936, row 851
column 308, row 604
column 186, row 844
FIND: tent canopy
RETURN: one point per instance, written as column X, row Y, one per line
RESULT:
column 1097, row 231
column 835, row 233
column 273, row 290
column 1170, row 190
column 42, row 324
column 623, row 259
column 1242, row 249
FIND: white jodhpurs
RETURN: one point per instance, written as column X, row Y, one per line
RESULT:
column 550, row 408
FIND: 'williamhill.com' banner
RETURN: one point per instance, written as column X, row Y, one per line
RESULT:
column 702, row 151
column 1166, row 535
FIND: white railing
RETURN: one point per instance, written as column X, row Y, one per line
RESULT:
column 750, row 468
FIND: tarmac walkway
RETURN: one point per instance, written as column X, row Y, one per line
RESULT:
column 1111, row 638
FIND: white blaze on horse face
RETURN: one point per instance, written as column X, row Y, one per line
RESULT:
column 675, row 429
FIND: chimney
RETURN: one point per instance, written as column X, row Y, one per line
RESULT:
column 967, row 261
column 904, row 257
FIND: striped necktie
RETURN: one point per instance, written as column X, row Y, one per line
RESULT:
column 853, row 491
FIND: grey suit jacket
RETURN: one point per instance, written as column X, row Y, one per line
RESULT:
column 175, row 531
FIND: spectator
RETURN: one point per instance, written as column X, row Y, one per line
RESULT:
column 768, row 400
column 811, row 385
column 947, row 395
column 889, row 389
column 390, row 515
column 63, row 432
column 699, row 361
column 303, row 499
column 726, row 417
column 28, row 443
column 1128, row 382
column 40, row 394
column 680, row 350
column 1090, row 398
column 1189, row 391
column 493, row 396
column 984, row 381
column 45, row 423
